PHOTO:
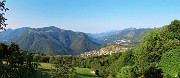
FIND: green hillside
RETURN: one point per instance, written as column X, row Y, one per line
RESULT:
column 52, row 40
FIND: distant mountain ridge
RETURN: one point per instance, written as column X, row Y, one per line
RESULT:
column 130, row 34
column 51, row 40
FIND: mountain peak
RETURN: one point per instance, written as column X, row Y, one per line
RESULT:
column 48, row 28
column 51, row 27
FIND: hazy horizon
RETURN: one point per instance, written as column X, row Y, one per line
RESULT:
column 75, row 31
column 91, row 16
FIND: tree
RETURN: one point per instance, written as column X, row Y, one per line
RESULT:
column 126, row 72
column 170, row 63
column 63, row 71
column 16, row 63
column 126, row 59
column 174, row 28
column 148, row 54
column 2, row 18
column 63, row 68
column 4, row 53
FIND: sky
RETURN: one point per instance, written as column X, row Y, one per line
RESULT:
column 91, row 16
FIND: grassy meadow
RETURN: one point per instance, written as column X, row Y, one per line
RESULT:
column 82, row 72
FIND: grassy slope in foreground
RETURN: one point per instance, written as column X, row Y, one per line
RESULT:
column 82, row 72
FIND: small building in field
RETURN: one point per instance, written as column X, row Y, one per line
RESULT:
column 93, row 71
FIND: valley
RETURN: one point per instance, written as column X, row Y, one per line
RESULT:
column 120, row 59
column 89, row 39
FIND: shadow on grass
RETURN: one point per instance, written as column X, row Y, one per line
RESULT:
column 88, row 75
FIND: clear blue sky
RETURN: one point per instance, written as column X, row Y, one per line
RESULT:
column 92, row 15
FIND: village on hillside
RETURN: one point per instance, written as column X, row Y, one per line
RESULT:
column 108, row 50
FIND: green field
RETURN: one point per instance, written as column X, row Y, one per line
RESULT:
column 85, row 73
column 82, row 72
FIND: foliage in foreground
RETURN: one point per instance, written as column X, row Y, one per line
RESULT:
column 3, row 9
column 170, row 63
column 15, row 63
column 151, row 58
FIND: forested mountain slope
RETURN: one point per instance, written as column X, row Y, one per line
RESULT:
column 50, row 40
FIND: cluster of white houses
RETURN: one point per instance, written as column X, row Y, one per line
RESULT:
column 103, row 52
column 123, row 41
